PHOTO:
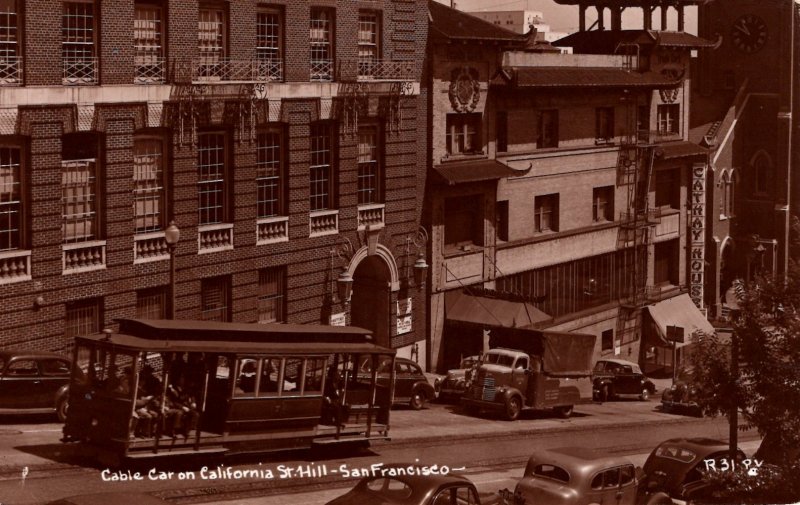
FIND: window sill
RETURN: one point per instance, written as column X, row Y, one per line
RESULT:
column 214, row 238
column 323, row 222
column 83, row 256
column 15, row 266
column 149, row 247
column 272, row 230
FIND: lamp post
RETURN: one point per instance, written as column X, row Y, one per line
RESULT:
column 172, row 235
column 344, row 287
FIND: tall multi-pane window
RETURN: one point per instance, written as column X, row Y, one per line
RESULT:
column 211, row 178
column 80, row 219
column 211, row 34
column 369, row 39
column 546, row 213
column 668, row 118
column 10, row 198
column 369, row 166
column 151, row 303
column 215, row 299
column 78, row 42
column 83, row 318
column 10, row 65
column 321, row 183
column 321, row 43
column 148, row 43
column 269, row 43
column 269, row 173
column 148, row 184
column 271, row 295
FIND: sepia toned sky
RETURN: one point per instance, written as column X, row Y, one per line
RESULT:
column 564, row 18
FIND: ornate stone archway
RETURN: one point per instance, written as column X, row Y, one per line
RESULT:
column 384, row 254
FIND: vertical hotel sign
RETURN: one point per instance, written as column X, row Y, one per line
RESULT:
column 697, row 223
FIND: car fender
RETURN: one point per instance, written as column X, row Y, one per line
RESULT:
column 650, row 386
column 62, row 392
column 425, row 386
column 511, row 392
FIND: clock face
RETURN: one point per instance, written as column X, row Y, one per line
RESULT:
column 749, row 33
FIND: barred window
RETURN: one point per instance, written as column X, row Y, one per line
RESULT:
column 271, row 295
column 80, row 221
column 83, row 318
column 78, row 36
column 269, row 173
column 211, row 34
column 151, row 303
column 369, row 169
column 148, row 42
column 368, row 36
column 11, row 206
column 211, row 183
column 269, row 34
column 215, row 296
column 148, row 185
column 9, row 35
column 321, row 166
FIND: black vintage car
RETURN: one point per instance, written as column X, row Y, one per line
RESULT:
column 676, row 467
column 411, row 385
column 33, row 382
column 682, row 395
column 612, row 378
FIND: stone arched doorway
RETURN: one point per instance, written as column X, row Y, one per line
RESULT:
column 370, row 305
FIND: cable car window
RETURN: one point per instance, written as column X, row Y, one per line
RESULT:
column 315, row 371
column 270, row 377
column 246, row 370
column 292, row 377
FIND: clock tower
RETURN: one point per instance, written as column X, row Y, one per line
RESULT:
column 745, row 109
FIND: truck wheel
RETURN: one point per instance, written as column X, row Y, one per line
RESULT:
column 61, row 409
column 645, row 395
column 513, row 408
column 417, row 400
column 564, row 412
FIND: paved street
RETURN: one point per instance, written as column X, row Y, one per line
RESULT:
column 489, row 449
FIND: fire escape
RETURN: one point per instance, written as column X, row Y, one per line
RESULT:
column 635, row 174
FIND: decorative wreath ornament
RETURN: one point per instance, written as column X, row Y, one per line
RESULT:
column 465, row 90
column 668, row 95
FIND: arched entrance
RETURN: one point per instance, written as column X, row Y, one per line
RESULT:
column 727, row 270
column 370, row 305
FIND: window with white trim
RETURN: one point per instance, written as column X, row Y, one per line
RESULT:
column 11, row 194
column 369, row 48
column 212, row 171
column 321, row 176
column 80, row 219
column 212, row 34
column 269, row 34
column 148, row 184
column 269, row 173
column 215, row 299
column 271, row 295
column 79, row 41
column 369, row 165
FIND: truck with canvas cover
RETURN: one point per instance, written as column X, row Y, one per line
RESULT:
column 524, row 370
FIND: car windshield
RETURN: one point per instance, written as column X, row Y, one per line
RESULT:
column 391, row 489
column 551, row 472
column 598, row 367
column 675, row 452
column 498, row 359
column 468, row 362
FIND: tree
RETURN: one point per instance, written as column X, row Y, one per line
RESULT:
column 766, row 387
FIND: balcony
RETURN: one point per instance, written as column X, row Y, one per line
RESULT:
column 271, row 230
column 228, row 70
column 15, row 266
column 10, row 70
column 321, row 70
column 83, row 256
column 371, row 215
column 214, row 237
column 148, row 247
column 80, row 71
column 150, row 71
column 380, row 70
column 323, row 222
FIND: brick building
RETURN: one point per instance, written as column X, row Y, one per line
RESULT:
column 559, row 185
column 280, row 136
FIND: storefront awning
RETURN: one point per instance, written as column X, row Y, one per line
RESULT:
column 465, row 307
column 456, row 172
column 679, row 311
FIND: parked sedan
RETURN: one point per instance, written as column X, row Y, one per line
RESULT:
column 682, row 394
column 33, row 382
column 675, row 466
column 398, row 484
column 411, row 385
column 616, row 377
column 458, row 379
column 581, row 476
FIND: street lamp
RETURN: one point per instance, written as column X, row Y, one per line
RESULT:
column 172, row 235
column 344, row 287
